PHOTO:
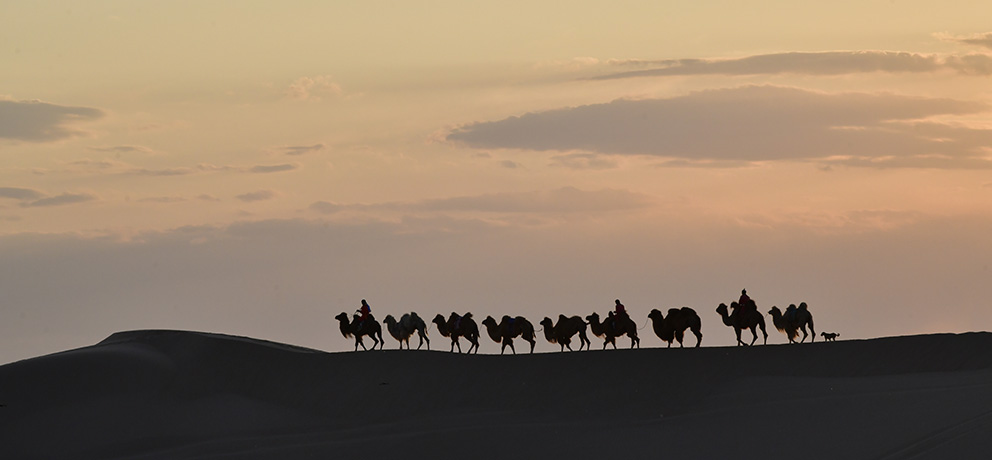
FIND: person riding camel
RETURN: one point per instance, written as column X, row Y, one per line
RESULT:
column 364, row 311
column 619, row 314
column 746, row 303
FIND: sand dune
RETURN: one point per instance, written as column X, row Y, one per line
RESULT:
column 175, row 395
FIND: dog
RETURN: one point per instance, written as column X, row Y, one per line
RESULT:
column 830, row 336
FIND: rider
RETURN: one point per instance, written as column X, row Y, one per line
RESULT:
column 619, row 313
column 745, row 302
column 365, row 310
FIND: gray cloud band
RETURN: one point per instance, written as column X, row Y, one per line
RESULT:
column 752, row 123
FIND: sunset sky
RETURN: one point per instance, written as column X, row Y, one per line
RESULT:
column 255, row 168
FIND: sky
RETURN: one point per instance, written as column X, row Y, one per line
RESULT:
column 255, row 168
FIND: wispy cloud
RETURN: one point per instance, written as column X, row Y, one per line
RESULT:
column 562, row 200
column 314, row 88
column 264, row 169
column 30, row 198
column 60, row 200
column 751, row 123
column 301, row 149
column 36, row 121
column 981, row 39
column 584, row 161
column 261, row 195
column 122, row 149
column 17, row 193
column 810, row 63
column 162, row 199
column 161, row 171
column 256, row 169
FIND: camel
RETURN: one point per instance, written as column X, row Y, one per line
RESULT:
column 562, row 332
column 793, row 320
column 369, row 327
column 752, row 319
column 509, row 329
column 459, row 326
column 403, row 329
column 674, row 325
column 614, row 327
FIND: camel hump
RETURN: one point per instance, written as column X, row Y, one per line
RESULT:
column 467, row 315
column 803, row 306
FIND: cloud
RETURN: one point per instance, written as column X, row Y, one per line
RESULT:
column 744, row 124
column 326, row 207
column 207, row 197
column 261, row 195
column 314, row 88
column 811, row 63
column 584, row 161
column 36, row 121
column 982, row 39
column 122, row 149
column 63, row 199
column 162, row 199
column 264, row 169
column 509, row 164
column 562, row 200
column 17, row 193
column 257, row 169
column 161, row 172
column 302, row 149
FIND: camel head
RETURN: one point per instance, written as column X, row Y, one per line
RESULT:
column 343, row 317
column 593, row 318
column 655, row 314
column 775, row 311
column 438, row 319
column 722, row 309
column 489, row 322
column 547, row 323
column 389, row 320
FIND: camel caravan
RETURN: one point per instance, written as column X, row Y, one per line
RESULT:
column 741, row 315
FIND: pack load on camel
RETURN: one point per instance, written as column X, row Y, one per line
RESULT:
column 794, row 319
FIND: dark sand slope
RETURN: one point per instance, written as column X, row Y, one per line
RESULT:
column 175, row 395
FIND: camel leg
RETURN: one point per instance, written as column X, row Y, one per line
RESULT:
column 754, row 334
column 740, row 342
column 532, row 343
column 699, row 337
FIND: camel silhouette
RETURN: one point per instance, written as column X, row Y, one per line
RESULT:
column 562, row 332
column 509, row 329
column 793, row 320
column 674, row 325
column 614, row 327
column 403, row 329
column 459, row 326
column 369, row 327
column 751, row 319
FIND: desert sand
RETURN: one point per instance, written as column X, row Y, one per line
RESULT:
column 184, row 395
